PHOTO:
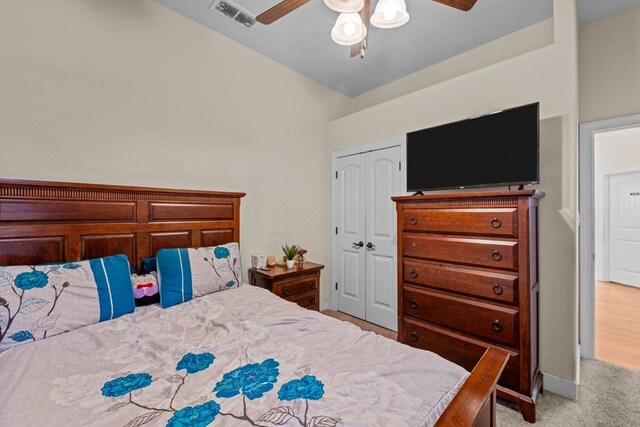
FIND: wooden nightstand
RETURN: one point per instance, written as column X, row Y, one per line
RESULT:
column 300, row 285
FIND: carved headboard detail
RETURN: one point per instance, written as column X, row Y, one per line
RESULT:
column 43, row 221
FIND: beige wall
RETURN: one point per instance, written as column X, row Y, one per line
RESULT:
column 610, row 66
column 615, row 152
column 128, row 92
column 549, row 75
column 518, row 43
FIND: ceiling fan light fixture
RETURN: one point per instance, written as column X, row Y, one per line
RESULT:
column 390, row 14
column 345, row 6
column 349, row 29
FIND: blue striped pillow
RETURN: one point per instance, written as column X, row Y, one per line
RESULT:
column 40, row 301
column 192, row 272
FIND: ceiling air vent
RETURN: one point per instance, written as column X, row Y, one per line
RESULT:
column 234, row 12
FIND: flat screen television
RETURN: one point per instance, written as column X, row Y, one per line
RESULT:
column 493, row 150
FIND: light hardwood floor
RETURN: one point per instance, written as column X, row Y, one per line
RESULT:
column 618, row 324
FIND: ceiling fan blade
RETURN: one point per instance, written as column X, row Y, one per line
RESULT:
column 464, row 5
column 279, row 10
column 365, row 14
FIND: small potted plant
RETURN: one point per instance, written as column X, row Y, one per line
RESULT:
column 290, row 253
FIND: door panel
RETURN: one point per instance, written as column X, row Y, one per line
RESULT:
column 624, row 228
column 384, row 179
column 351, row 229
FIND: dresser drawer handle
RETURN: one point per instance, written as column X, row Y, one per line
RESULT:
column 312, row 299
column 413, row 274
column 413, row 303
column 285, row 291
column 414, row 336
column 497, row 289
column 497, row 326
column 496, row 255
column 496, row 223
column 413, row 220
column 312, row 285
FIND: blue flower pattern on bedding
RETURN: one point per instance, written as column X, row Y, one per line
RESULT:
column 125, row 385
column 307, row 387
column 22, row 336
column 194, row 363
column 251, row 381
column 31, row 279
column 195, row 416
column 221, row 252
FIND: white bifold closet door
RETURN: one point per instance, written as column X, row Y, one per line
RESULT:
column 367, row 237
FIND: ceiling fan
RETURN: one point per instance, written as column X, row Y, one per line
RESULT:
column 352, row 27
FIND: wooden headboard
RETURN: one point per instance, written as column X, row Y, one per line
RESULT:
column 44, row 221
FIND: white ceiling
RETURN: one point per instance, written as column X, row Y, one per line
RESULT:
column 302, row 41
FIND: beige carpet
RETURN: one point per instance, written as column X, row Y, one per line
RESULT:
column 609, row 395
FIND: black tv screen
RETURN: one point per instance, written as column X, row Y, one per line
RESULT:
column 493, row 150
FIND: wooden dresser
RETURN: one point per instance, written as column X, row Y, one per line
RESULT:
column 468, row 279
column 300, row 285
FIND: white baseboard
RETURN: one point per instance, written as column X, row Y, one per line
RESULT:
column 325, row 304
column 560, row 386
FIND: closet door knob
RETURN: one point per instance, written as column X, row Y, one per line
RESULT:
column 413, row 274
column 496, row 255
column 497, row 289
column 413, row 303
column 497, row 326
column 414, row 336
column 413, row 220
column 496, row 223
column 359, row 244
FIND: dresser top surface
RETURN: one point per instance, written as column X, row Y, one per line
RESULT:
column 536, row 194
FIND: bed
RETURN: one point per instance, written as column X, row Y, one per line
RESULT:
column 238, row 357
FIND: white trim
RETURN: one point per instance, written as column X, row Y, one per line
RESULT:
column 325, row 304
column 586, row 232
column 560, row 386
column 335, row 155
column 106, row 277
column 605, row 231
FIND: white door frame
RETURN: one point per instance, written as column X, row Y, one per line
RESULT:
column 394, row 142
column 588, row 132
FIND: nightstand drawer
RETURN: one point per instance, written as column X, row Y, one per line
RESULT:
column 487, row 222
column 305, row 300
column 492, row 285
column 493, row 322
column 483, row 252
column 289, row 288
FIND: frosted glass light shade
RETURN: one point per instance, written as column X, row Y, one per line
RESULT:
column 390, row 14
column 349, row 29
column 345, row 6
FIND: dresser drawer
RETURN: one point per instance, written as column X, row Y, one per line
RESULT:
column 293, row 287
column 487, row 253
column 484, row 284
column 306, row 300
column 498, row 324
column 488, row 222
column 461, row 350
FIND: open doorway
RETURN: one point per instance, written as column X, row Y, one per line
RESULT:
column 617, row 246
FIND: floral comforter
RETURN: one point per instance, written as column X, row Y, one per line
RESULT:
column 238, row 357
